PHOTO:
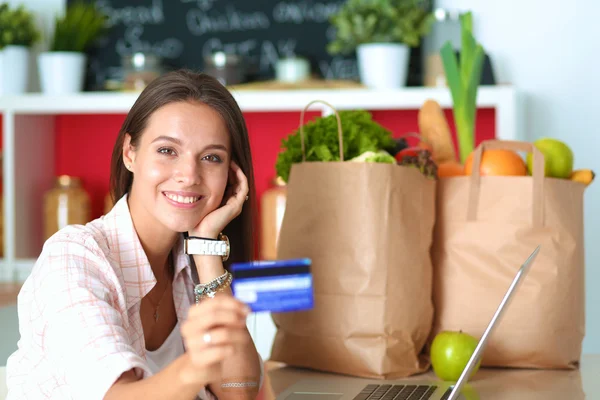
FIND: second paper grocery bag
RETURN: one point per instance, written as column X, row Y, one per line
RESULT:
column 486, row 227
column 367, row 227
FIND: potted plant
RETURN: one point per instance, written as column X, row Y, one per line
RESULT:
column 381, row 32
column 62, row 67
column 18, row 33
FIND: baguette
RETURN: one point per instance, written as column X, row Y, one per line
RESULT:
column 435, row 131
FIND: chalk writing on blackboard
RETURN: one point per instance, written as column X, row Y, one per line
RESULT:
column 299, row 13
column 150, row 14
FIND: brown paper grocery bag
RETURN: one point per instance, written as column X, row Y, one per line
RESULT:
column 367, row 227
column 485, row 229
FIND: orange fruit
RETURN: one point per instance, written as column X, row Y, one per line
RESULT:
column 450, row 168
column 498, row 162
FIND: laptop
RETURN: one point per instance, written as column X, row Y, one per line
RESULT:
column 352, row 388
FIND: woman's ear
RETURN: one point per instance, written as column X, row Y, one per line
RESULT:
column 128, row 152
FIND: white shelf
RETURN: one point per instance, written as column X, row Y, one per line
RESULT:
column 28, row 140
column 258, row 100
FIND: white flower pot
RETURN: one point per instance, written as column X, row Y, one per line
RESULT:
column 383, row 65
column 61, row 72
column 14, row 70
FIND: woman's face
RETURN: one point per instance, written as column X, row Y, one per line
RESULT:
column 180, row 166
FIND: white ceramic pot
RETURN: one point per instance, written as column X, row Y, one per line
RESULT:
column 383, row 65
column 61, row 72
column 14, row 70
column 291, row 70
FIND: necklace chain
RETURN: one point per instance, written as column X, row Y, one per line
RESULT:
column 167, row 270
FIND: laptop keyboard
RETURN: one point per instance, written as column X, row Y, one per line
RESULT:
column 396, row 392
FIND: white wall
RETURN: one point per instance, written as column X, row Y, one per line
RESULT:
column 45, row 10
column 548, row 49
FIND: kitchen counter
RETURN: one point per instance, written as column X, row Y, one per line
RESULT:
column 488, row 383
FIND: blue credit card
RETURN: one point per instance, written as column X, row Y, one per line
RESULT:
column 274, row 286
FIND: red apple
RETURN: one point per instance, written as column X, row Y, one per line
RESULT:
column 450, row 353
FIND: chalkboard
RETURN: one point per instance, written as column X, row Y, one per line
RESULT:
column 182, row 32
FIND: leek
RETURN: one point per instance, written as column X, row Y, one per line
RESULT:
column 463, row 80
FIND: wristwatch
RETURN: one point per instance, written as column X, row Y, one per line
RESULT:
column 195, row 245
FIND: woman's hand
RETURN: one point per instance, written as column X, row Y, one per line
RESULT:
column 214, row 330
column 234, row 198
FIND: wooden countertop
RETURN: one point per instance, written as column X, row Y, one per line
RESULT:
column 488, row 383
column 8, row 293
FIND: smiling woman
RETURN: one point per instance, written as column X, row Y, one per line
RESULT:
column 117, row 295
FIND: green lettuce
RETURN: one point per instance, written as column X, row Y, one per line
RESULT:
column 359, row 131
column 380, row 156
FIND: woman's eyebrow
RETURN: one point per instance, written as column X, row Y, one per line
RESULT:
column 216, row 146
column 168, row 139
column 213, row 146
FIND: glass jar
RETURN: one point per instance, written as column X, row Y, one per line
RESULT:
column 226, row 68
column 139, row 69
column 65, row 204
column 446, row 27
column 272, row 209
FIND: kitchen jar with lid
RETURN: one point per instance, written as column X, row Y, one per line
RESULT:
column 139, row 69
column 272, row 205
column 226, row 68
column 65, row 204
column 446, row 27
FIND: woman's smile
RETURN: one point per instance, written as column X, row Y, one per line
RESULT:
column 183, row 199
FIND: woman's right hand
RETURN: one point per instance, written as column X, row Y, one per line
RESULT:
column 214, row 330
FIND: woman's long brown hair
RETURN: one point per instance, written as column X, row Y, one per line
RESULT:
column 185, row 85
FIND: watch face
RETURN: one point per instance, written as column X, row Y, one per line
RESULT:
column 226, row 240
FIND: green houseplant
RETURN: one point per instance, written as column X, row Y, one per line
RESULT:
column 18, row 33
column 62, row 67
column 17, row 27
column 381, row 32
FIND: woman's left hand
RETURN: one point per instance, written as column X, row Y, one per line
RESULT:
column 214, row 223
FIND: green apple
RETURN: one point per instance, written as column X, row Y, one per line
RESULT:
column 468, row 392
column 450, row 353
column 558, row 156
